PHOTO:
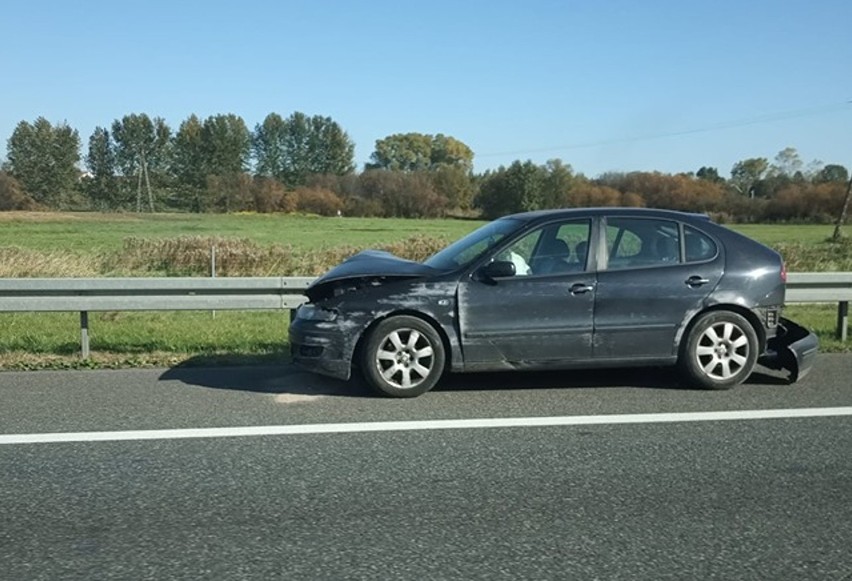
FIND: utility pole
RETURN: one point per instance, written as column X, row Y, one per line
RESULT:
column 837, row 228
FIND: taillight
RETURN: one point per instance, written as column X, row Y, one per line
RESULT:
column 783, row 272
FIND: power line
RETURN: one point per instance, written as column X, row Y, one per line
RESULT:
column 792, row 114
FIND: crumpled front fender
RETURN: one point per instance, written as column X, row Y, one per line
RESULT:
column 793, row 349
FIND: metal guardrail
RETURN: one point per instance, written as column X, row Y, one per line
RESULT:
column 823, row 287
column 251, row 293
column 149, row 294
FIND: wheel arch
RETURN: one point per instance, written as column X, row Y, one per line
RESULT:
column 426, row 318
column 748, row 314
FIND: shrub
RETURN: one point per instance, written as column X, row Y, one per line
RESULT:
column 192, row 256
column 318, row 201
column 271, row 196
column 12, row 196
column 27, row 263
column 401, row 195
column 587, row 194
column 807, row 202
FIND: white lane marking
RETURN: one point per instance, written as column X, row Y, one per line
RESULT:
column 304, row 429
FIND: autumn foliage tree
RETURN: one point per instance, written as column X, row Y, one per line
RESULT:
column 589, row 194
column 400, row 194
column 271, row 196
column 454, row 184
column 317, row 201
column 12, row 196
column 676, row 192
column 806, row 202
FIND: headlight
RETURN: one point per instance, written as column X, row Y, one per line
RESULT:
column 315, row 313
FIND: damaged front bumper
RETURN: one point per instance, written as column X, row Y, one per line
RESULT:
column 321, row 350
column 793, row 349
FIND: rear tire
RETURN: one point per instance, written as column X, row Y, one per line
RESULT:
column 720, row 351
column 403, row 356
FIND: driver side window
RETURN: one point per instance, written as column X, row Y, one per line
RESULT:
column 551, row 250
column 520, row 253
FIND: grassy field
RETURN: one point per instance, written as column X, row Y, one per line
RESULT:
column 35, row 244
column 92, row 232
column 57, row 244
column 89, row 233
column 779, row 234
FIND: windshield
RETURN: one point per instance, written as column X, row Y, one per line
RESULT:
column 464, row 251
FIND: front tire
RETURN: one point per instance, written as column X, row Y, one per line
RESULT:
column 403, row 356
column 720, row 351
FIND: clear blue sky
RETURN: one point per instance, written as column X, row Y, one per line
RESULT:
column 604, row 85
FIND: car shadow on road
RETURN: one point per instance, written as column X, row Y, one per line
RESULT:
column 640, row 377
column 574, row 378
column 285, row 378
column 267, row 377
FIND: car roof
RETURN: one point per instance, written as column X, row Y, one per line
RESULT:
column 568, row 213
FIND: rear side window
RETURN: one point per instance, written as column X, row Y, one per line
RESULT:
column 640, row 243
column 699, row 246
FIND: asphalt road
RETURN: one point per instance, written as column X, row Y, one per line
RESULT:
column 743, row 499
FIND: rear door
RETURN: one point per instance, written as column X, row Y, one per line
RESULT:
column 657, row 273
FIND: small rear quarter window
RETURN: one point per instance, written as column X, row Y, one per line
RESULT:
column 699, row 246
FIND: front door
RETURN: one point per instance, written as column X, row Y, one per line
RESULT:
column 541, row 315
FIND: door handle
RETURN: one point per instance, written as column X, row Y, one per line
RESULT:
column 695, row 281
column 581, row 288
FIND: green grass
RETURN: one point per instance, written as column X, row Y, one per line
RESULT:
column 130, row 339
column 92, row 244
column 775, row 234
column 93, row 232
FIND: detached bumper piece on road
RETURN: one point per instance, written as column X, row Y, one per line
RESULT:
column 793, row 349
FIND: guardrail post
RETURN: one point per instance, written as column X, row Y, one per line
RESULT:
column 843, row 320
column 84, row 333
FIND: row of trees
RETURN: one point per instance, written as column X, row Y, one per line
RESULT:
column 140, row 163
column 302, row 163
column 526, row 186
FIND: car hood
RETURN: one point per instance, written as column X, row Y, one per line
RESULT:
column 372, row 265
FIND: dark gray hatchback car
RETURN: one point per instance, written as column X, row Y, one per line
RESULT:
column 560, row 289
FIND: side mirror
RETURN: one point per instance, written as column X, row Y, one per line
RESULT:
column 497, row 269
